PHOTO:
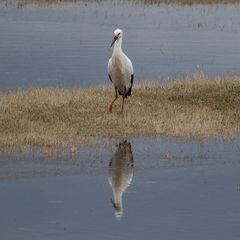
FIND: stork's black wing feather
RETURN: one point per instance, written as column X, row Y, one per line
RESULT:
column 110, row 77
column 130, row 89
column 132, row 77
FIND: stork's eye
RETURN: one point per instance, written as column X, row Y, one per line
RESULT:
column 118, row 34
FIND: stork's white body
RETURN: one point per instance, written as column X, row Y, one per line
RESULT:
column 120, row 69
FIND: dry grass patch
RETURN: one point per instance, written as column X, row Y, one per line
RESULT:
column 193, row 107
column 186, row 2
column 145, row 2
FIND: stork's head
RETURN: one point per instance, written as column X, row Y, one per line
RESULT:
column 117, row 35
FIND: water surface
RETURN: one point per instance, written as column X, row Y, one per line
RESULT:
column 68, row 44
column 173, row 189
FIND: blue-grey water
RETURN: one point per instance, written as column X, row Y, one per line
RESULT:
column 68, row 44
column 175, row 190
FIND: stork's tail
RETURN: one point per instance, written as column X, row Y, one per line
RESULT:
column 129, row 92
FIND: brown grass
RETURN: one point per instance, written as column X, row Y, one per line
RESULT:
column 187, row 2
column 192, row 107
column 145, row 2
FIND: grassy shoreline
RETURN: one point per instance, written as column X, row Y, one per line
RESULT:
column 192, row 107
column 145, row 2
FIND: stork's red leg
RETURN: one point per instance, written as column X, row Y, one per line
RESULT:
column 113, row 100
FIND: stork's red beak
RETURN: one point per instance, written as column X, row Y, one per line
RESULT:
column 113, row 41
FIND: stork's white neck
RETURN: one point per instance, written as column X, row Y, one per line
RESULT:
column 117, row 45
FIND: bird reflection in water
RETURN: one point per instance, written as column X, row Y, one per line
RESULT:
column 120, row 174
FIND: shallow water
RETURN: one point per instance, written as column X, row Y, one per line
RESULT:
column 68, row 44
column 172, row 189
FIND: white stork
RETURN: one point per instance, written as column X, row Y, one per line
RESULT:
column 120, row 70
